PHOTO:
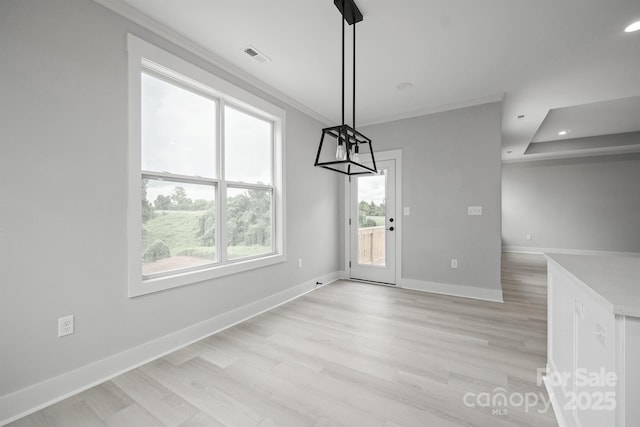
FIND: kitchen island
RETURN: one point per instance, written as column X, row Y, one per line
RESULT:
column 593, row 362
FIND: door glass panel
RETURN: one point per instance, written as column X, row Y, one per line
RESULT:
column 371, row 219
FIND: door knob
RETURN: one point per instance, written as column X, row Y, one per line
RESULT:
column 390, row 228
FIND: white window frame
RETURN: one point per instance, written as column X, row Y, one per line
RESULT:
column 145, row 56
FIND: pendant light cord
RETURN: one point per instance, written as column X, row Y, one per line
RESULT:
column 342, row 19
column 354, row 77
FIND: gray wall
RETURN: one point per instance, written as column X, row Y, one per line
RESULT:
column 450, row 160
column 590, row 203
column 63, row 182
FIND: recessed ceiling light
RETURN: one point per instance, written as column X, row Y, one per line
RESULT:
column 633, row 27
column 404, row 86
column 563, row 132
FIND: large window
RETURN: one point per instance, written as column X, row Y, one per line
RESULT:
column 206, row 194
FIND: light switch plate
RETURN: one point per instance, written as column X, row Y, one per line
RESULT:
column 474, row 210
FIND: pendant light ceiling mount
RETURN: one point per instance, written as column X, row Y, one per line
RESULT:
column 348, row 142
column 349, row 11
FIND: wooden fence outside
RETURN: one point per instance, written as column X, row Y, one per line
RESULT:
column 371, row 247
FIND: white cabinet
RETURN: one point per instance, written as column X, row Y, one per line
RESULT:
column 593, row 359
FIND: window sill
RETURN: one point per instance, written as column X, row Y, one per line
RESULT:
column 147, row 286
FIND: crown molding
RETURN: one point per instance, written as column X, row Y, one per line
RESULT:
column 129, row 12
column 578, row 153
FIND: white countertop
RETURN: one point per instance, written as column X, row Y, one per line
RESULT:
column 615, row 278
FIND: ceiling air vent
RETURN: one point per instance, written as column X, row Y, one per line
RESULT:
column 256, row 54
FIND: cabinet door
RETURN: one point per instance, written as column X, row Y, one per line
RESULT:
column 630, row 370
column 595, row 371
column 561, row 291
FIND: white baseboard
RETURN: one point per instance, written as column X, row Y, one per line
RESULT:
column 484, row 294
column 540, row 251
column 33, row 398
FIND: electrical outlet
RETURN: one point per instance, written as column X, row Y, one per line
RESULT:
column 528, row 236
column 454, row 263
column 65, row 326
column 299, row 262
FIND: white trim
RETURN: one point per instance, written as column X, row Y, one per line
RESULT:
column 579, row 152
column 494, row 295
column 129, row 12
column 347, row 228
column 379, row 155
column 144, row 55
column 540, row 251
column 149, row 56
column 397, row 156
column 33, row 398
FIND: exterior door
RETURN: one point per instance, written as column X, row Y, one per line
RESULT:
column 373, row 225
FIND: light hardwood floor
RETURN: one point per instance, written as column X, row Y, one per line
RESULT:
column 347, row 354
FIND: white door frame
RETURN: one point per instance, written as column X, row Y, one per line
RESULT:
column 379, row 155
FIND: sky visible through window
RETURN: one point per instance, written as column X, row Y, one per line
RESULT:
column 371, row 188
column 248, row 147
column 178, row 130
column 179, row 136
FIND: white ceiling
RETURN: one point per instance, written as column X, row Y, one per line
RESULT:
column 540, row 55
column 598, row 118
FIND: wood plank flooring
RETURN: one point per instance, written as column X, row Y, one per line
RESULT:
column 348, row 354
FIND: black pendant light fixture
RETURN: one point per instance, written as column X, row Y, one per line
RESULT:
column 341, row 147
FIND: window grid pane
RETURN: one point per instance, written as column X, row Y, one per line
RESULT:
column 248, row 147
column 179, row 129
column 178, row 225
column 249, row 222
